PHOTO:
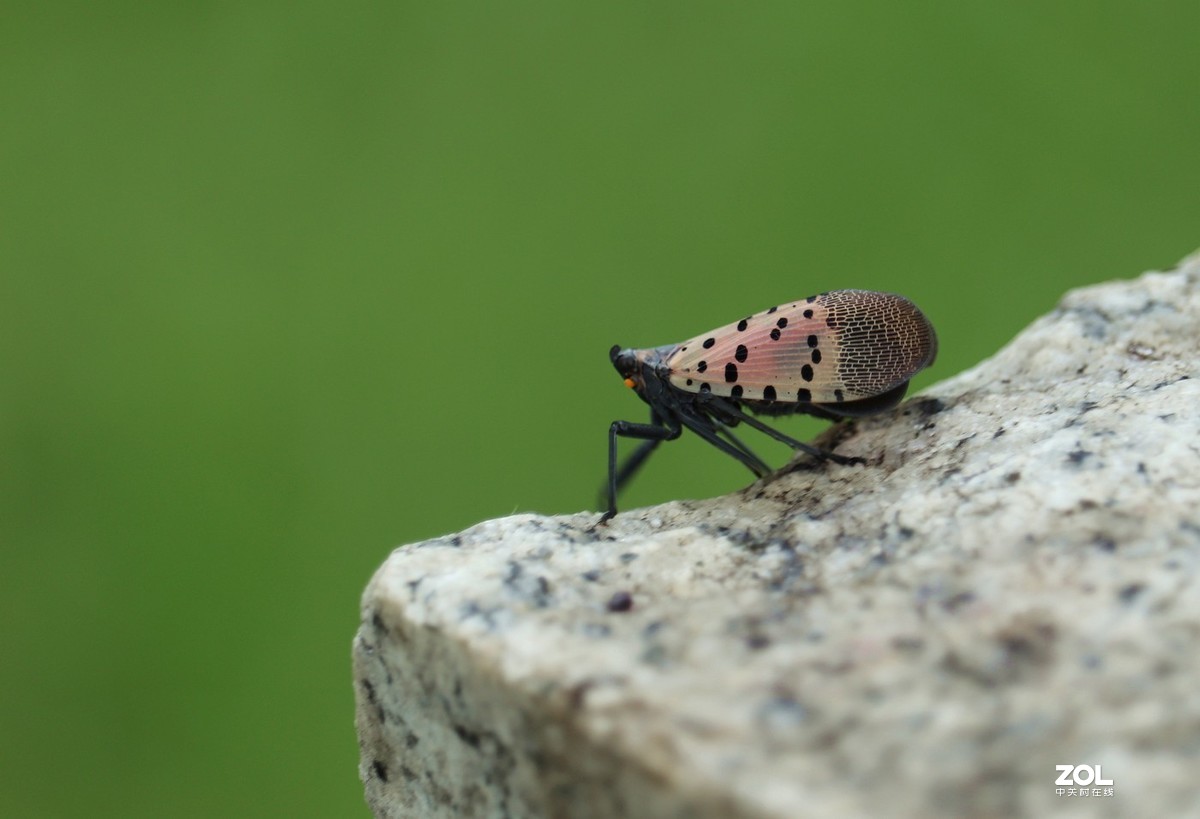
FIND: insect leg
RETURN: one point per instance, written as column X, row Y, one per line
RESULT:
column 705, row 428
column 651, row 434
column 726, row 406
column 733, row 439
column 634, row 461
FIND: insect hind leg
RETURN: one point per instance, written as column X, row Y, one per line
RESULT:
column 723, row 429
column 800, row 446
column 707, row 429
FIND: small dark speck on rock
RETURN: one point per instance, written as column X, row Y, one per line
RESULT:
column 928, row 406
column 380, row 770
column 620, row 601
column 952, row 604
column 1078, row 456
column 1129, row 592
column 468, row 736
column 591, row 575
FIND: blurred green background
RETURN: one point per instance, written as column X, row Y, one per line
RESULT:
column 284, row 285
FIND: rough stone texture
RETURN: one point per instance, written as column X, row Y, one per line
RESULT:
column 1009, row 584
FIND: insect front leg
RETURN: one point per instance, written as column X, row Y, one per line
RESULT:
column 651, row 434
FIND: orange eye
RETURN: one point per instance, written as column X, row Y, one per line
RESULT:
column 629, row 383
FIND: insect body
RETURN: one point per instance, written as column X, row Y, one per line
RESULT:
column 846, row 353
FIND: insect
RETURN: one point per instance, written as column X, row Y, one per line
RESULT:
column 841, row 354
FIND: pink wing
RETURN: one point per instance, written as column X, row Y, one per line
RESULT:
column 839, row 346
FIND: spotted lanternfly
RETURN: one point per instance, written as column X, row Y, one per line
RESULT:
column 842, row 354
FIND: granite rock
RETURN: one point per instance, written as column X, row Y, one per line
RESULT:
column 1009, row 584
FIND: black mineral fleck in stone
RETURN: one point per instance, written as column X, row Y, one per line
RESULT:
column 620, row 601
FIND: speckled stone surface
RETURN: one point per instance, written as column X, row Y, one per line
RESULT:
column 1009, row 584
